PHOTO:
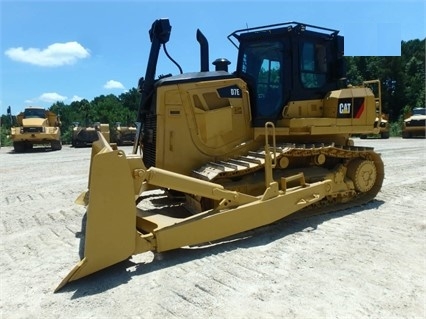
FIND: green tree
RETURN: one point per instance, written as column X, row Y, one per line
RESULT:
column 403, row 78
column 130, row 102
column 108, row 109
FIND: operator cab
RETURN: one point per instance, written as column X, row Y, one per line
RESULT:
column 287, row 62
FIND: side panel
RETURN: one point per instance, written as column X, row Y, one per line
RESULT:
column 201, row 122
column 351, row 106
column 345, row 111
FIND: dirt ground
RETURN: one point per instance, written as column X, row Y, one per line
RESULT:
column 364, row 262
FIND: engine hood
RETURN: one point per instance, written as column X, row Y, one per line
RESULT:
column 415, row 117
column 34, row 122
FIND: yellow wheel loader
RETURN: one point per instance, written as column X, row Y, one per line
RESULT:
column 240, row 149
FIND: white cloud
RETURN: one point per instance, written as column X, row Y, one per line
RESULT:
column 111, row 84
column 56, row 54
column 76, row 98
column 52, row 97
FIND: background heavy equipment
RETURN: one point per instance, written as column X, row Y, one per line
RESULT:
column 123, row 135
column 85, row 135
column 232, row 151
column 414, row 124
column 36, row 126
column 381, row 122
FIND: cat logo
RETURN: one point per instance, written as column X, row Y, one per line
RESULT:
column 345, row 108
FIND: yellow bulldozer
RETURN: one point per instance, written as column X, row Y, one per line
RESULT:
column 123, row 135
column 232, row 151
column 83, row 136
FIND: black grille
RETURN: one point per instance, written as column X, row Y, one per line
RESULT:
column 416, row 123
column 149, row 140
column 33, row 129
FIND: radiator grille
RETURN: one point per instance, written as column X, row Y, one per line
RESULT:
column 149, row 140
column 416, row 123
column 33, row 129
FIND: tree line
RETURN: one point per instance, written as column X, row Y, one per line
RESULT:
column 403, row 88
column 403, row 77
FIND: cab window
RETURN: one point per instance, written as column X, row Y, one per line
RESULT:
column 262, row 66
column 313, row 65
column 34, row 113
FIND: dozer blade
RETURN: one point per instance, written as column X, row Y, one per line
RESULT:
column 116, row 229
column 109, row 237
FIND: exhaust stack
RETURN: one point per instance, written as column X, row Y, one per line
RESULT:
column 204, row 51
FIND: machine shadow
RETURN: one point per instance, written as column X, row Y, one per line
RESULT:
column 121, row 273
column 33, row 150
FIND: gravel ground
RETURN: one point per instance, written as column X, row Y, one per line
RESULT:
column 364, row 262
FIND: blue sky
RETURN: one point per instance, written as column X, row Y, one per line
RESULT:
column 70, row 50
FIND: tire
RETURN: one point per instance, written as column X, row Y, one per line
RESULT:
column 19, row 147
column 384, row 135
column 56, row 145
